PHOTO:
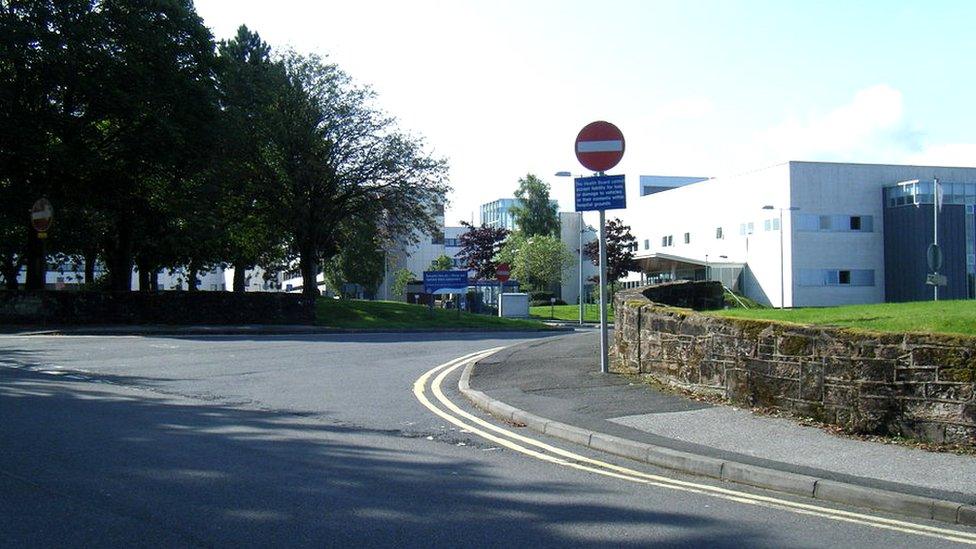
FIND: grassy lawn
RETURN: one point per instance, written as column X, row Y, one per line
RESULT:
column 949, row 317
column 591, row 313
column 351, row 313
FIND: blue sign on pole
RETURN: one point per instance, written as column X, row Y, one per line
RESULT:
column 601, row 192
column 445, row 282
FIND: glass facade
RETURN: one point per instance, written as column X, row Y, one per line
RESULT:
column 921, row 193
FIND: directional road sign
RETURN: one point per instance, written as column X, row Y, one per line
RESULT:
column 600, row 146
column 602, row 192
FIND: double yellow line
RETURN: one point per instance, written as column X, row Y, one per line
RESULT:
column 506, row 438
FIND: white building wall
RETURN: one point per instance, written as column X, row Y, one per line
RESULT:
column 727, row 202
column 569, row 234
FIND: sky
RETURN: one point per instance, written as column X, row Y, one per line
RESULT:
column 702, row 88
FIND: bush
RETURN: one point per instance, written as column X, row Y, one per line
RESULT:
column 545, row 303
column 541, row 296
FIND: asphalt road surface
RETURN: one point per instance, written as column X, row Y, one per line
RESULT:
column 316, row 441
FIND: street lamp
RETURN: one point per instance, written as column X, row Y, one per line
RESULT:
column 782, row 278
column 579, row 293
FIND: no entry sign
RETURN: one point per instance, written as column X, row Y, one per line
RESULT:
column 41, row 215
column 502, row 272
column 600, row 146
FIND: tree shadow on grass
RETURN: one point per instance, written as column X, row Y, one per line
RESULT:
column 88, row 464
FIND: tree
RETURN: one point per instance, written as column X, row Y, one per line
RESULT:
column 536, row 261
column 480, row 247
column 401, row 278
column 338, row 158
column 534, row 213
column 620, row 250
column 252, row 229
column 442, row 263
column 360, row 258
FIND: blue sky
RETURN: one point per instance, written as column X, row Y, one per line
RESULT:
column 699, row 88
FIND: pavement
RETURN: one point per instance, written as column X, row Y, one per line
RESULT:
column 554, row 386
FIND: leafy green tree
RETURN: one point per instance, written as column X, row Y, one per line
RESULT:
column 534, row 213
column 250, row 215
column 480, row 247
column 360, row 257
column 401, row 278
column 620, row 250
column 536, row 261
column 340, row 158
column 442, row 263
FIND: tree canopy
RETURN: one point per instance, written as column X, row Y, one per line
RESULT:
column 480, row 247
column 620, row 250
column 536, row 261
column 533, row 211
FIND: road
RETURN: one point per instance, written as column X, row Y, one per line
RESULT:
column 322, row 441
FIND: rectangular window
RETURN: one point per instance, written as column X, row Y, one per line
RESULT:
column 742, row 229
column 750, row 228
column 776, row 224
column 767, row 225
column 647, row 244
column 718, row 233
column 844, row 277
column 687, row 238
column 664, row 241
column 855, row 223
column 825, row 223
column 670, row 240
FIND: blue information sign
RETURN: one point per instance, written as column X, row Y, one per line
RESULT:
column 602, row 192
column 445, row 282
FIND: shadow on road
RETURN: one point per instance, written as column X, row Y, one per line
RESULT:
column 86, row 464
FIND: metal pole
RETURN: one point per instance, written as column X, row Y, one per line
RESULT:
column 604, row 367
column 580, row 292
column 935, row 229
column 782, row 277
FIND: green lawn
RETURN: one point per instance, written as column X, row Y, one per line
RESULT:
column 352, row 313
column 591, row 313
column 950, row 317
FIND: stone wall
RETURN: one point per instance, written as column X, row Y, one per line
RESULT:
column 920, row 386
column 60, row 308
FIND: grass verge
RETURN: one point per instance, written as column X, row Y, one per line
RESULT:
column 945, row 317
column 570, row 313
column 356, row 314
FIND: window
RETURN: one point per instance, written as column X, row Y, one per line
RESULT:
column 855, row 223
column 718, row 233
column 664, row 241
column 844, row 277
column 825, row 223
column 670, row 240
column 835, row 277
column 647, row 244
column 687, row 238
column 750, row 228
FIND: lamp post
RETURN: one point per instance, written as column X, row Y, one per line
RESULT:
column 579, row 293
column 782, row 276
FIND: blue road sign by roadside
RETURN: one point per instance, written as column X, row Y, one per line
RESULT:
column 445, row 282
column 601, row 192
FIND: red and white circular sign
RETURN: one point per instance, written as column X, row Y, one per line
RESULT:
column 600, row 146
column 41, row 214
column 502, row 272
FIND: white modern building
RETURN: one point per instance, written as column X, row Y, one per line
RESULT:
column 574, row 233
column 812, row 233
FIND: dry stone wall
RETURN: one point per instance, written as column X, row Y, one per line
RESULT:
column 921, row 386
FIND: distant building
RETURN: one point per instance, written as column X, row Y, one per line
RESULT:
column 498, row 213
column 650, row 184
column 812, row 233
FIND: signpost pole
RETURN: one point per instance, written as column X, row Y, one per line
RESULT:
column 935, row 223
column 604, row 367
column 580, row 292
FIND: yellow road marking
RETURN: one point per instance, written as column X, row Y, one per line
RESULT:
column 584, row 463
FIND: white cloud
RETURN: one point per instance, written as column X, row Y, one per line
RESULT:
column 949, row 154
column 870, row 122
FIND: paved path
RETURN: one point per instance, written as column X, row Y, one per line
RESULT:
column 559, row 379
column 314, row 441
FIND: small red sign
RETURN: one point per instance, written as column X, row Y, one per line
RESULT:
column 502, row 272
column 41, row 215
column 600, row 146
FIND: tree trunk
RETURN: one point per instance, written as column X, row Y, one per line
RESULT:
column 91, row 256
column 143, row 278
column 239, row 271
column 118, row 258
column 192, row 282
column 154, row 280
column 36, row 261
column 310, row 284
